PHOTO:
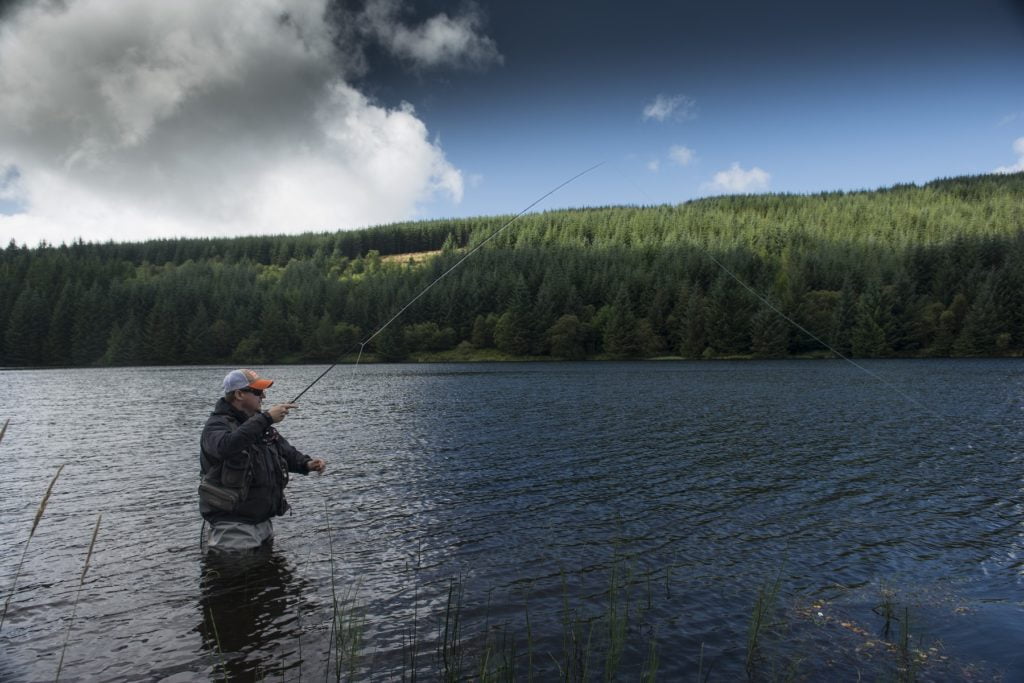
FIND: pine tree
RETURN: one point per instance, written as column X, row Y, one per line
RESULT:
column 567, row 338
column 483, row 331
column 124, row 345
column 511, row 333
column 844, row 320
column 619, row 337
column 728, row 317
column 62, row 324
column 390, row 344
column 26, row 330
column 273, row 333
column 981, row 325
column 92, row 327
column 769, row 334
column 874, row 318
column 694, row 341
column 162, row 338
column 199, row 338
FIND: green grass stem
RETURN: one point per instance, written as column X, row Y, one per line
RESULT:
column 347, row 623
column 35, row 523
column 767, row 596
column 78, row 594
column 216, row 639
column 450, row 645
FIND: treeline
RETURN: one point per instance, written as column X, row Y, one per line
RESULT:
column 936, row 270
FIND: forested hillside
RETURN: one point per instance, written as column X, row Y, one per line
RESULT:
column 936, row 270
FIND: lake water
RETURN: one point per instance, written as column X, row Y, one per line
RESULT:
column 534, row 502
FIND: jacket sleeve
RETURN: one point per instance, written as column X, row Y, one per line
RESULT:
column 296, row 459
column 220, row 442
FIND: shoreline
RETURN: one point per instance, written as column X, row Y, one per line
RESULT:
column 455, row 356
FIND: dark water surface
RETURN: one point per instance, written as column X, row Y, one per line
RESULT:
column 671, row 491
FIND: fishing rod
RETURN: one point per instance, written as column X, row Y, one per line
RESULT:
column 443, row 275
column 440, row 277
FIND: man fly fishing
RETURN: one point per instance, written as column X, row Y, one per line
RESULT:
column 245, row 463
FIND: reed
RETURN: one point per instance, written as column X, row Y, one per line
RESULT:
column 617, row 618
column 450, row 645
column 35, row 523
column 767, row 596
column 905, row 655
column 887, row 610
column 216, row 639
column 347, row 623
column 906, row 662
column 649, row 673
column 593, row 643
column 576, row 649
column 498, row 659
column 78, row 594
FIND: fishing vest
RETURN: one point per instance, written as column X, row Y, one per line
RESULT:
column 233, row 488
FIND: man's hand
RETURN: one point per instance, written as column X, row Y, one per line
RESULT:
column 316, row 465
column 280, row 411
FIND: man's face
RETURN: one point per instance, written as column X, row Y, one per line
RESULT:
column 252, row 400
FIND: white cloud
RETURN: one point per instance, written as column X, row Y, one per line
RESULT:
column 129, row 119
column 439, row 41
column 681, row 155
column 665, row 107
column 653, row 165
column 738, row 180
column 1018, row 149
column 1009, row 118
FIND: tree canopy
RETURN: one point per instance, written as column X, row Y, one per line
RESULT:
column 932, row 270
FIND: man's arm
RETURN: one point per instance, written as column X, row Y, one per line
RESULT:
column 223, row 443
column 298, row 461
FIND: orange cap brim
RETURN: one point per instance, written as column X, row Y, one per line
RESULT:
column 262, row 384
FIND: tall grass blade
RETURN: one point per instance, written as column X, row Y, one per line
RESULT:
column 906, row 665
column 334, row 590
column 347, row 621
column 529, row 646
column 649, row 673
column 35, row 522
column 216, row 638
column 450, row 652
column 78, row 593
column 767, row 596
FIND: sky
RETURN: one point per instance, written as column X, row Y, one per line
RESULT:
column 127, row 120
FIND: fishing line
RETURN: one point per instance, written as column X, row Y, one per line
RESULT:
column 797, row 325
column 445, row 274
column 440, row 277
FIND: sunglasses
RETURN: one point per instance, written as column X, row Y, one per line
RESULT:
column 255, row 392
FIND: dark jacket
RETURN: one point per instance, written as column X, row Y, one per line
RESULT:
column 248, row 456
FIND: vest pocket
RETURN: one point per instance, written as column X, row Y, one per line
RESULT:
column 218, row 497
column 235, row 475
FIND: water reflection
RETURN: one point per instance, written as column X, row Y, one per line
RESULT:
column 247, row 602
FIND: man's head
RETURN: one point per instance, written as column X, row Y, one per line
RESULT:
column 244, row 390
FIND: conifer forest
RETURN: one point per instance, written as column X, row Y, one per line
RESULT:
column 931, row 270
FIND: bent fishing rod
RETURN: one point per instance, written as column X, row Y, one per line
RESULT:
column 445, row 274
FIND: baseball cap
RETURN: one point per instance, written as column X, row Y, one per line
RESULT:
column 240, row 379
